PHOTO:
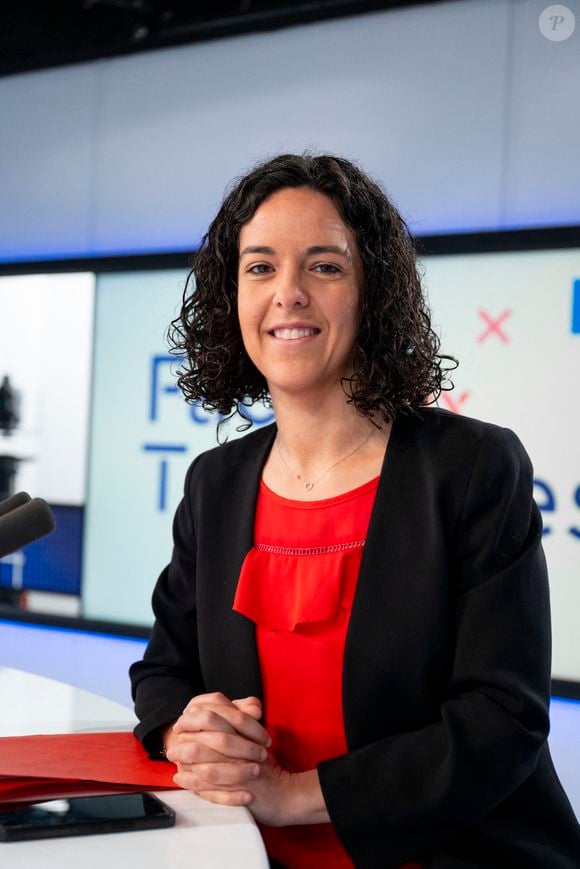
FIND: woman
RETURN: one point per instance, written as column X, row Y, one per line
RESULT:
column 352, row 637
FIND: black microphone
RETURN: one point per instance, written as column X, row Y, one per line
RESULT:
column 25, row 524
column 13, row 502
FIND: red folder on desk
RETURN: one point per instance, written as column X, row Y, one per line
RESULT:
column 34, row 768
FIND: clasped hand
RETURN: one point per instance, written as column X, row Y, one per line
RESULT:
column 221, row 753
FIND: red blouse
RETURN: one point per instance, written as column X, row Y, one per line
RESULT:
column 297, row 584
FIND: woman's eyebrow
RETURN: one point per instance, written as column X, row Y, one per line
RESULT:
column 319, row 248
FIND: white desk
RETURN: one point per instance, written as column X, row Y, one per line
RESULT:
column 206, row 836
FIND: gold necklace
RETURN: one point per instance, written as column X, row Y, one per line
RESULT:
column 309, row 485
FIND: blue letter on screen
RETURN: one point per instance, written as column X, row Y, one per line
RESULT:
column 548, row 505
column 163, row 468
column 156, row 387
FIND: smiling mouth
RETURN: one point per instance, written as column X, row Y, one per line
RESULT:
column 293, row 334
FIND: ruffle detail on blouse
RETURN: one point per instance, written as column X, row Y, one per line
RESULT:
column 281, row 588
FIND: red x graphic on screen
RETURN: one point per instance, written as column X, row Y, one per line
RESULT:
column 494, row 326
column 454, row 404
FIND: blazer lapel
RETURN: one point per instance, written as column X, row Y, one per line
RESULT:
column 375, row 674
column 229, row 637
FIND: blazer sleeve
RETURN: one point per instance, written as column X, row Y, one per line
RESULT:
column 410, row 792
column 169, row 674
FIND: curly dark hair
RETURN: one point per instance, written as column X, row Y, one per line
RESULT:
column 396, row 363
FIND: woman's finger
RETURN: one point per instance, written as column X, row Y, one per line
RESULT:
column 251, row 705
column 227, row 798
column 202, row 718
column 215, row 698
column 194, row 752
column 222, row 718
column 221, row 745
column 225, row 775
column 227, row 780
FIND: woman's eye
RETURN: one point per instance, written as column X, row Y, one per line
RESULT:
column 324, row 266
column 329, row 266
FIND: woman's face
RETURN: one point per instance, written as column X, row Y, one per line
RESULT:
column 298, row 303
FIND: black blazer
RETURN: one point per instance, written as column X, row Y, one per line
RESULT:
column 446, row 679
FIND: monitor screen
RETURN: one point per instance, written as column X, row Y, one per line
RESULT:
column 512, row 319
column 46, row 331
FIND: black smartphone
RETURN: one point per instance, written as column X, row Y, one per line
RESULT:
column 82, row 816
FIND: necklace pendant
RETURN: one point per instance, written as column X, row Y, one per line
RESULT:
column 308, row 486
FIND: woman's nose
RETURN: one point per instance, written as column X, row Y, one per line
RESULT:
column 289, row 292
